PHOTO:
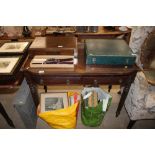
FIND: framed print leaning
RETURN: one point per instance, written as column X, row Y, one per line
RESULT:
column 13, row 47
column 8, row 64
column 53, row 101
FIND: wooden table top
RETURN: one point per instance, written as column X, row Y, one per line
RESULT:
column 47, row 43
column 81, row 68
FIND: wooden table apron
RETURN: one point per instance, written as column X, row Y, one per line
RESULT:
column 82, row 75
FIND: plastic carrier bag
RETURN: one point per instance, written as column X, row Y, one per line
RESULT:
column 93, row 116
column 61, row 118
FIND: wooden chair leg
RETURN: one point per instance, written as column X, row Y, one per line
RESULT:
column 5, row 115
column 131, row 124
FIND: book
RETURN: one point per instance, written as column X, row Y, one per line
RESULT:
column 74, row 98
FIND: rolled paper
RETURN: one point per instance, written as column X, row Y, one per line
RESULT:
column 90, row 101
column 95, row 98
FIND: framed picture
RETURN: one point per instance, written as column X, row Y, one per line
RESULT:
column 13, row 47
column 53, row 101
column 8, row 64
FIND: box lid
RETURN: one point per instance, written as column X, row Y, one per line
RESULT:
column 108, row 47
column 54, row 42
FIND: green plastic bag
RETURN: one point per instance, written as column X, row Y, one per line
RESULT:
column 93, row 116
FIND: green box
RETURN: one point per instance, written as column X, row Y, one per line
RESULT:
column 108, row 52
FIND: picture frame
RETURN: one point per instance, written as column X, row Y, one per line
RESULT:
column 53, row 101
column 13, row 47
column 8, row 64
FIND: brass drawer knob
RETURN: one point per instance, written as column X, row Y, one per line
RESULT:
column 120, row 80
column 41, row 81
column 68, row 82
column 95, row 82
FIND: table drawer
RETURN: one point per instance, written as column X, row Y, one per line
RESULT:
column 57, row 80
column 104, row 80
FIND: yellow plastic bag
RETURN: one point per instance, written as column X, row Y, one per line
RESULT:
column 61, row 118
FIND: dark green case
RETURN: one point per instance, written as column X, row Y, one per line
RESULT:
column 108, row 52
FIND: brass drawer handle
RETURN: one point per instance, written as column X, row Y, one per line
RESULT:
column 95, row 82
column 68, row 82
column 41, row 81
column 120, row 80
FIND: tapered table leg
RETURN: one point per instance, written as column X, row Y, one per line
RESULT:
column 45, row 88
column 122, row 100
column 33, row 88
column 125, row 93
column 109, row 88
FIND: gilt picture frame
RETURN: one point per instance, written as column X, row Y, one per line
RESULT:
column 53, row 101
